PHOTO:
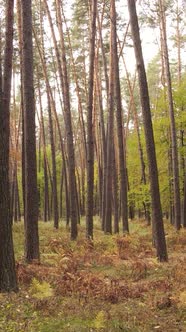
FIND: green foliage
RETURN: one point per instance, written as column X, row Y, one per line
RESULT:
column 40, row 290
column 100, row 320
column 40, row 173
column 180, row 100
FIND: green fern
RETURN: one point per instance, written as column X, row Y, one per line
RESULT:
column 100, row 320
column 40, row 290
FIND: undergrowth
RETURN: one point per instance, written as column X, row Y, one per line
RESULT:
column 113, row 283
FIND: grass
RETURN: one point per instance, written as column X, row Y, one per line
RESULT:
column 113, row 284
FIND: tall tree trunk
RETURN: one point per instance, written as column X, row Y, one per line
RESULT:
column 18, row 200
column 63, row 74
column 171, row 203
column 184, row 204
column 46, row 193
column 122, row 161
column 61, row 193
column 110, row 136
column 178, row 42
column 78, row 91
column 90, row 136
column 46, row 212
column 157, row 219
column 175, row 164
column 179, row 38
column 115, row 194
column 102, row 165
column 103, row 132
column 8, row 281
column 31, row 194
column 54, row 176
column 19, row 28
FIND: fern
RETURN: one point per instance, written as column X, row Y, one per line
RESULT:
column 100, row 321
column 40, row 290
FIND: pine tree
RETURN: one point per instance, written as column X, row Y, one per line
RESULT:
column 31, row 193
column 8, row 281
column 157, row 219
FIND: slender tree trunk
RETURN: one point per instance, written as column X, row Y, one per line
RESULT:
column 19, row 28
column 18, row 201
column 157, row 219
column 8, row 281
column 46, row 212
column 90, row 136
column 179, row 71
column 122, row 161
column 175, row 164
column 184, row 204
column 31, row 194
column 83, row 167
column 54, row 177
column 102, row 145
column 78, row 92
column 61, row 194
column 178, row 41
column 103, row 133
column 182, row 168
column 171, row 204
column 63, row 74
column 110, row 136
column 104, row 59
column 46, row 193
column 115, row 195
column 15, row 198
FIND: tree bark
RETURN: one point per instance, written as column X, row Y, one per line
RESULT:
column 122, row 161
column 54, row 176
column 8, row 281
column 31, row 193
column 110, row 136
column 63, row 75
column 175, row 164
column 184, row 204
column 90, row 135
column 157, row 219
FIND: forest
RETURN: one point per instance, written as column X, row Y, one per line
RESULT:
column 92, row 165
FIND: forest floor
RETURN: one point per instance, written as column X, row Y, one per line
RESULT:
column 113, row 284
